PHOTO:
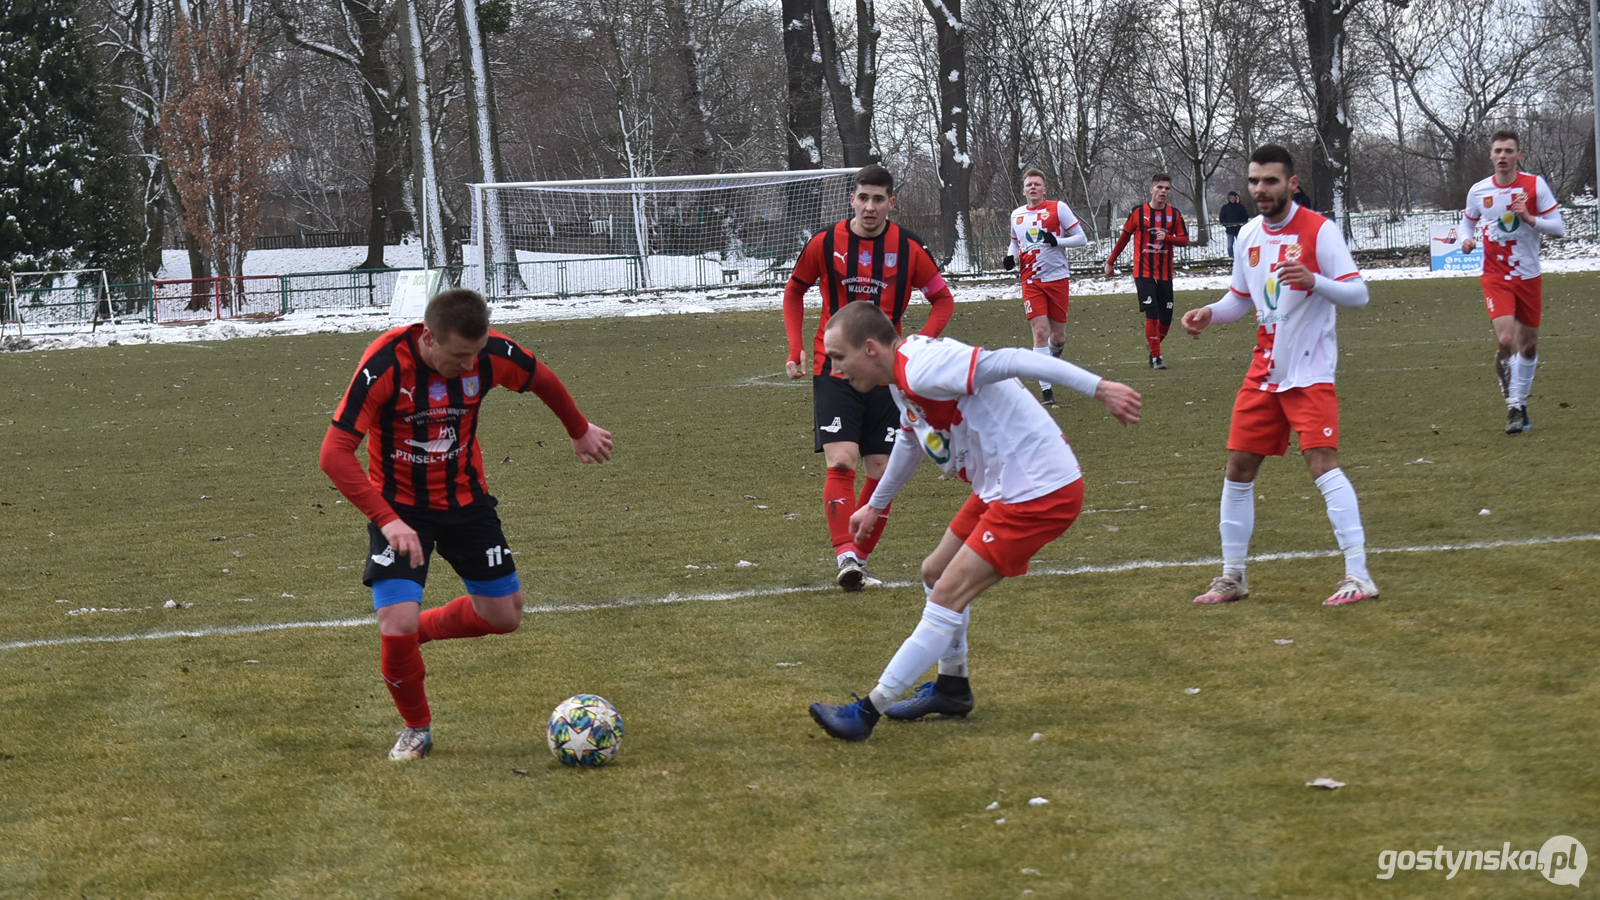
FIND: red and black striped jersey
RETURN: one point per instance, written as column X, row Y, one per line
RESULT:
column 1152, row 258
column 883, row 269
column 421, row 428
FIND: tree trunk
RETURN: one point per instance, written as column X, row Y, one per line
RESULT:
column 426, row 188
column 804, row 86
column 852, row 107
column 1330, row 160
column 695, row 120
column 955, row 165
column 499, row 264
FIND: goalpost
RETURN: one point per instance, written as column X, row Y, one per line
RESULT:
column 67, row 297
column 625, row 235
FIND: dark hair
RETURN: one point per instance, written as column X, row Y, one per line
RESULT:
column 457, row 311
column 859, row 321
column 1505, row 135
column 1272, row 153
column 876, row 176
column 1159, row 177
column 1032, row 172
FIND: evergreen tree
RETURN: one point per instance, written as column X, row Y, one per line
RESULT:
column 63, row 186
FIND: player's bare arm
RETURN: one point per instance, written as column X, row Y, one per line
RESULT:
column 594, row 445
column 1121, row 401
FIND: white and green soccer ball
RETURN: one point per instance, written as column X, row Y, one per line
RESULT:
column 585, row 730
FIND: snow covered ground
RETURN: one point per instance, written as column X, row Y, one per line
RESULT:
column 1572, row 257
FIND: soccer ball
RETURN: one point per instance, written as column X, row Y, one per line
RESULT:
column 585, row 730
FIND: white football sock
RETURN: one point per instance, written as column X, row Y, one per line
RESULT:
column 1345, row 514
column 1522, row 370
column 1236, row 524
column 929, row 642
column 1043, row 385
column 954, row 662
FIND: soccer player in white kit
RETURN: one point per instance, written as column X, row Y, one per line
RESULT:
column 1512, row 211
column 1292, row 267
column 963, row 407
column 1041, row 232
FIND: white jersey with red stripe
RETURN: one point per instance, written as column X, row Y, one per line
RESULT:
column 1041, row 262
column 1510, row 245
column 1295, row 341
column 995, row 437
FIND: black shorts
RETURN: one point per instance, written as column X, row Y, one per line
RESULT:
column 1155, row 298
column 842, row 413
column 469, row 539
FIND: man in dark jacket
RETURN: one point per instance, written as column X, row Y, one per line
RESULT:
column 1233, row 216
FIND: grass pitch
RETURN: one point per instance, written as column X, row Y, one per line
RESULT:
column 1461, row 708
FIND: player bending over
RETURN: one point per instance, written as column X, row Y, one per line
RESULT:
column 1292, row 267
column 415, row 396
column 964, row 407
column 1041, row 232
column 1512, row 211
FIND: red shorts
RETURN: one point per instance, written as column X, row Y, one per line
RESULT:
column 1262, row 420
column 1007, row 535
column 1520, row 297
column 1041, row 298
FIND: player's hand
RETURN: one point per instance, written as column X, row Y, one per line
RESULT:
column 1159, row 235
column 1121, row 401
column 1009, row 263
column 594, row 445
column 403, row 540
column 1468, row 245
column 792, row 368
column 1519, row 206
column 862, row 521
column 1296, row 275
column 1048, row 237
column 1111, row 268
column 1195, row 321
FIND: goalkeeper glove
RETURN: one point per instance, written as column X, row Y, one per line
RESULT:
column 1009, row 263
column 1047, row 237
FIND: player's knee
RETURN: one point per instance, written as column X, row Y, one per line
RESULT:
column 932, row 568
column 1530, row 349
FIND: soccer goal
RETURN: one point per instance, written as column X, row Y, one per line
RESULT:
column 624, row 235
column 65, row 298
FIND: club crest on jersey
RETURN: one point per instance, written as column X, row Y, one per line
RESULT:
column 865, row 258
column 1291, row 252
column 889, row 259
column 437, row 392
column 1255, row 256
column 469, row 385
column 1019, row 220
column 1488, row 202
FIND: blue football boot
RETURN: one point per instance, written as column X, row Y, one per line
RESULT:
column 846, row 721
column 927, row 700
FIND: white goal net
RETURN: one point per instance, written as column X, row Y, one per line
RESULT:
column 563, row 238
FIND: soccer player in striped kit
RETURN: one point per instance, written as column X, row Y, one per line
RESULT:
column 1512, row 211
column 1155, row 228
column 1041, row 232
column 864, row 258
column 415, row 398
column 1292, row 267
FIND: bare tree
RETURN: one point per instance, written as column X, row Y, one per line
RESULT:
column 955, row 163
column 361, row 31
column 852, row 104
column 804, row 86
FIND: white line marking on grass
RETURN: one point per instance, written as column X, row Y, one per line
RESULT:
column 1129, row 566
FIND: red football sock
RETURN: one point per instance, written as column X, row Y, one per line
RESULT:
column 1162, row 333
column 403, row 671
column 839, row 504
column 456, row 619
column 1152, row 336
column 867, row 545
